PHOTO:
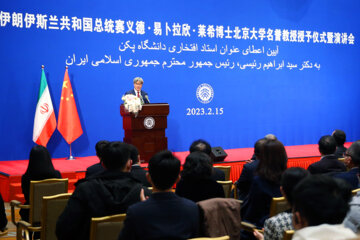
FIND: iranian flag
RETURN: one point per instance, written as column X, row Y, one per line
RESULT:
column 45, row 121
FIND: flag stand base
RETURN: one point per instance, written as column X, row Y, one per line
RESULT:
column 71, row 158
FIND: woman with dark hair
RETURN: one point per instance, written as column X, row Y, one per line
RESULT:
column 196, row 183
column 40, row 167
column 266, row 183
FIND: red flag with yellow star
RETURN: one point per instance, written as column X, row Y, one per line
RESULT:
column 68, row 122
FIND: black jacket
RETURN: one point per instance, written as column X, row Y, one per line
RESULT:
column 108, row 193
column 327, row 164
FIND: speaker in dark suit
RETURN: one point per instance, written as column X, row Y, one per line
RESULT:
column 138, row 83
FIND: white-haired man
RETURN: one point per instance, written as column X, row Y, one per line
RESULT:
column 138, row 83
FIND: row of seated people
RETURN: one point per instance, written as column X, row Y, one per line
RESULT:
column 271, row 151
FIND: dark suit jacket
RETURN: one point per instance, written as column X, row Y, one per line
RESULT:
column 327, row 164
column 218, row 175
column 340, row 151
column 94, row 169
column 197, row 189
column 143, row 95
column 162, row 216
column 3, row 219
column 140, row 174
column 350, row 176
column 256, row 207
column 246, row 178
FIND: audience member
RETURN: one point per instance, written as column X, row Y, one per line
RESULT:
column 319, row 207
column 40, row 167
column 275, row 226
column 136, row 170
column 96, row 168
column 196, row 183
column 340, row 139
column 164, row 215
column 352, row 162
column 107, row 193
column 328, row 162
column 266, row 183
column 203, row 146
column 247, row 174
column 352, row 219
column 3, row 219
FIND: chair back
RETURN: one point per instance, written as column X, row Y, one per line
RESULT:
column 355, row 191
column 227, row 186
column 288, row 234
column 278, row 205
column 209, row 238
column 107, row 228
column 226, row 170
column 39, row 189
column 52, row 207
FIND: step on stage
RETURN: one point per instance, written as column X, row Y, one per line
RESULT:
column 11, row 171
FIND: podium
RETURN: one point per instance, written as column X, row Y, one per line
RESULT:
column 146, row 131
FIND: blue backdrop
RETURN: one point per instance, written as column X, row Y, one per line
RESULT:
column 288, row 67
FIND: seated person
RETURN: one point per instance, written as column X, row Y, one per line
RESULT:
column 107, row 193
column 138, row 83
column 319, row 207
column 203, row 146
column 266, row 184
column 352, row 219
column 136, row 170
column 340, row 139
column 275, row 226
column 96, row 168
column 352, row 161
column 247, row 174
column 196, row 183
column 164, row 215
column 3, row 219
column 40, row 167
column 328, row 162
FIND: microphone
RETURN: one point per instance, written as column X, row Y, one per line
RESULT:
column 147, row 98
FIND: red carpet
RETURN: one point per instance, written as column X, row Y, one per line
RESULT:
column 11, row 171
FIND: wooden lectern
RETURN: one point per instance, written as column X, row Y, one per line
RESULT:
column 146, row 131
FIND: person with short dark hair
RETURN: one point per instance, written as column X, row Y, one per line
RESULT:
column 328, row 163
column 247, row 174
column 40, row 167
column 196, row 183
column 205, row 147
column 320, row 204
column 107, row 193
column 340, row 138
column 136, row 170
column 96, row 168
column 164, row 215
column 275, row 226
column 266, row 183
column 352, row 162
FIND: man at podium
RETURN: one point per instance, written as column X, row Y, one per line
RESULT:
column 138, row 83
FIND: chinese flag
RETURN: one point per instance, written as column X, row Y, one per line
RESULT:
column 68, row 122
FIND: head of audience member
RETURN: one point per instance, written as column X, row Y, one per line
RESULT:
column 200, row 146
column 197, row 165
column 138, row 83
column 339, row 136
column 259, row 148
column 273, row 161
column 320, row 199
column 327, row 145
column 270, row 136
column 40, row 162
column 99, row 148
column 134, row 154
column 290, row 178
column 164, row 171
column 116, row 156
column 352, row 155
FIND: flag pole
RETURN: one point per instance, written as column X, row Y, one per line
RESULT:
column 71, row 157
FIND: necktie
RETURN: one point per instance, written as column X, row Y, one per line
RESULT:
column 138, row 94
